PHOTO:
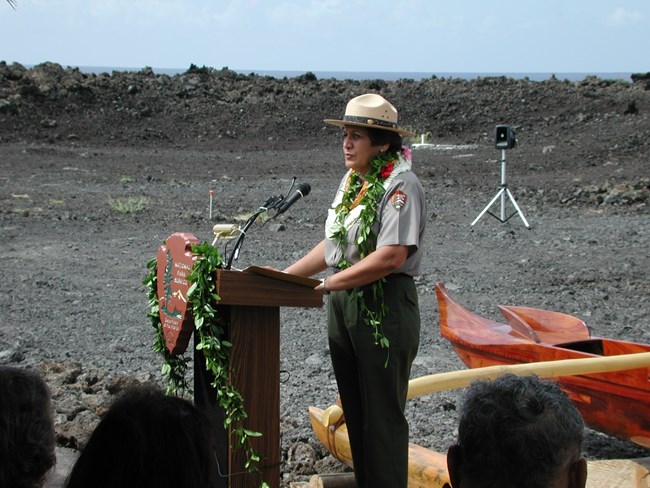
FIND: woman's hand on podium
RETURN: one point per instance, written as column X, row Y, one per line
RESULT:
column 322, row 286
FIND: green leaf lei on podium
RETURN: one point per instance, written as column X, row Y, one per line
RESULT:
column 203, row 298
column 358, row 202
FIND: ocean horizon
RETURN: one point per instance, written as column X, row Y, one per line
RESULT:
column 383, row 75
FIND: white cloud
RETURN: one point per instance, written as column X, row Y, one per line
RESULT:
column 622, row 17
column 490, row 20
column 165, row 14
column 304, row 14
column 144, row 11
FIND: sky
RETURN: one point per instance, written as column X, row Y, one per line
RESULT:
column 429, row 36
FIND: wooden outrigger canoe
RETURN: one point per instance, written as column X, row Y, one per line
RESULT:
column 616, row 403
column 427, row 468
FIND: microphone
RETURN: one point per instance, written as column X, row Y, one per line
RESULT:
column 302, row 190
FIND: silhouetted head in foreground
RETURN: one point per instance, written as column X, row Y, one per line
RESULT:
column 26, row 429
column 147, row 439
column 518, row 432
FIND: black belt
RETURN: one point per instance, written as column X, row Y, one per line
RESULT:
column 397, row 275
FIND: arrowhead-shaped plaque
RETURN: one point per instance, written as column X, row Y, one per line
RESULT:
column 175, row 261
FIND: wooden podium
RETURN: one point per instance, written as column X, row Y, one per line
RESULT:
column 250, row 303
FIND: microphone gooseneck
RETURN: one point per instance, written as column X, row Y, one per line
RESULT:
column 274, row 202
column 302, row 190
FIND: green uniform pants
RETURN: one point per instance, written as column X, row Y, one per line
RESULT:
column 372, row 393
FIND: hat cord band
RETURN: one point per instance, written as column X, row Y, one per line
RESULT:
column 369, row 121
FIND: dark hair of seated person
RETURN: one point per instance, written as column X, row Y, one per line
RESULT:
column 26, row 428
column 518, row 431
column 147, row 439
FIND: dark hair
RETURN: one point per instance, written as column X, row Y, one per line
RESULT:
column 517, row 431
column 379, row 137
column 147, row 439
column 26, row 428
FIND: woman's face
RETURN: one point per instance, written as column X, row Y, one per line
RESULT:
column 358, row 150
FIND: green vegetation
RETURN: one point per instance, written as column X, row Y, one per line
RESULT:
column 128, row 204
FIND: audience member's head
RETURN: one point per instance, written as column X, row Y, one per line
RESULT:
column 26, row 428
column 147, row 439
column 518, row 432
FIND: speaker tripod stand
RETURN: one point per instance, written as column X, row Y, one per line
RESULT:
column 501, row 194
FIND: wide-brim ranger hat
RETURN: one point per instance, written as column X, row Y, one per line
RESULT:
column 370, row 110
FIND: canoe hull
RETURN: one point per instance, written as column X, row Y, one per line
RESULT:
column 616, row 403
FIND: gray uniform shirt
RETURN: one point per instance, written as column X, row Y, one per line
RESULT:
column 401, row 221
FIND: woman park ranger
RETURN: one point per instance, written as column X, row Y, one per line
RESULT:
column 373, row 243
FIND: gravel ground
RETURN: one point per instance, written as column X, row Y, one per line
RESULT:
column 73, row 259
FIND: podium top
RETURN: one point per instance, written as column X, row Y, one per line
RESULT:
column 262, row 287
column 282, row 276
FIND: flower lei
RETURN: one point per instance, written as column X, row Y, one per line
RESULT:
column 357, row 202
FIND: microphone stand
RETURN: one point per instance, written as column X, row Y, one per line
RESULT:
column 270, row 204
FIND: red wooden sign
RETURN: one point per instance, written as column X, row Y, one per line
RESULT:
column 175, row 261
